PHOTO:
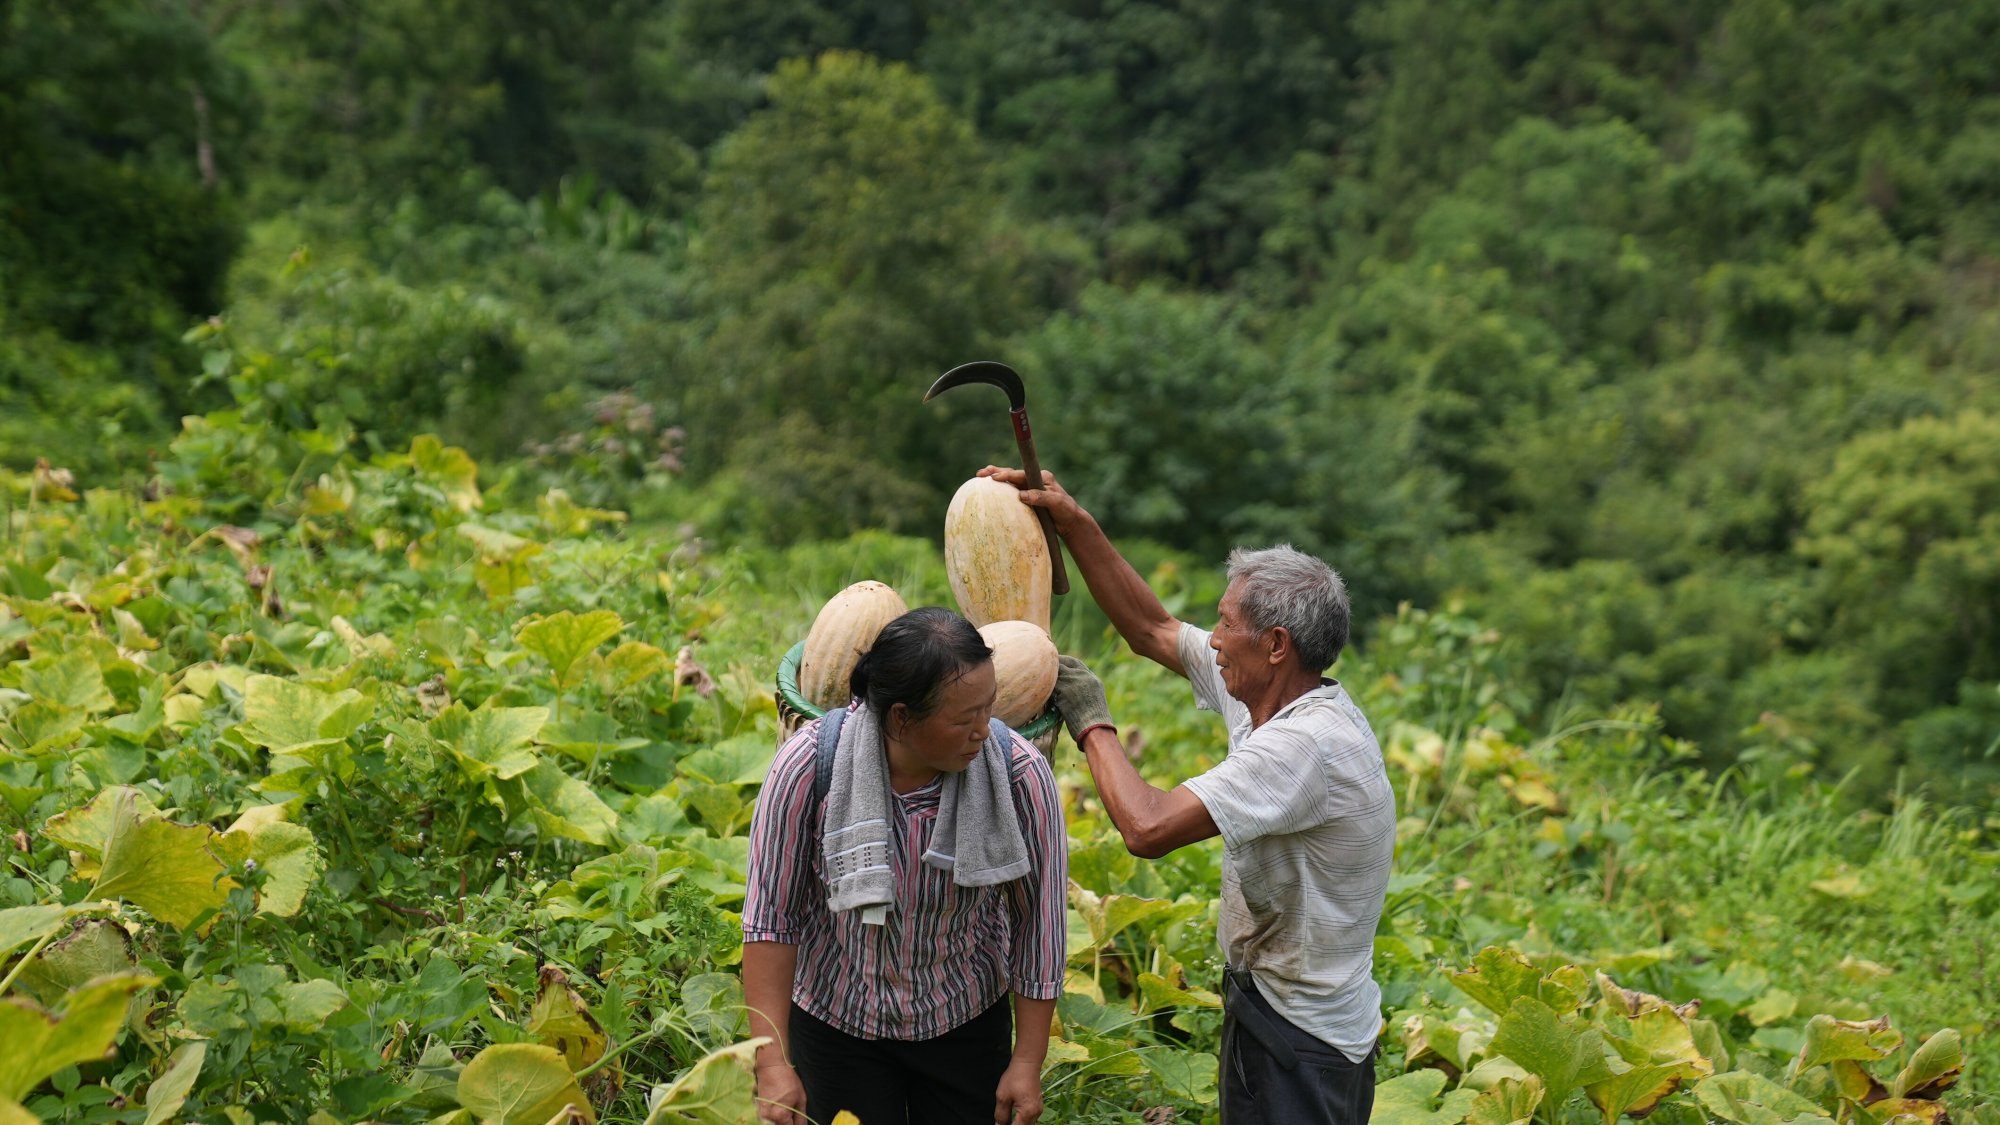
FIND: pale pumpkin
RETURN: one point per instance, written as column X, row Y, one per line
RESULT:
column 1024, row 665
column 845, row 629
column 995, row 555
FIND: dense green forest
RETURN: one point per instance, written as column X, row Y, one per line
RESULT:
column 1660, row 337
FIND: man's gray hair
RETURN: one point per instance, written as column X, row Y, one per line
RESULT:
column 1285, row 587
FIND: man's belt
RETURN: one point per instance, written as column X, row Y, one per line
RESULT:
column 1240, row 993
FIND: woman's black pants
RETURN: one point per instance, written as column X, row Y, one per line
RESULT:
column 950, row 1080
column 1275, row 1074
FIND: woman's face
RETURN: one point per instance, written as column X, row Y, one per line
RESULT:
column 948, row 739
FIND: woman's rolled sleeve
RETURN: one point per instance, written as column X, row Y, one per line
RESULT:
column 782, row 831
column 1037, row 900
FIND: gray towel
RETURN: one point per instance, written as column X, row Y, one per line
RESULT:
column 854, row 832
column 977, row 837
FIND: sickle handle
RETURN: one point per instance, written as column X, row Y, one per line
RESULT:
column 1025, row 438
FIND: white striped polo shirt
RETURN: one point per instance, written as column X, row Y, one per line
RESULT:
column 1308, row 824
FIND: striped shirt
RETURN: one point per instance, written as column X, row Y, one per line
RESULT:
column 948, row 952
column 1308, row 824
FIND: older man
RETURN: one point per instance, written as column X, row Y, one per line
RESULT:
column 1301, row 801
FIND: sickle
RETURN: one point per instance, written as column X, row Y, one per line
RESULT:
column 1007, row 379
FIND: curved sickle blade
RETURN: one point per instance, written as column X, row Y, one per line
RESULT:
column 983, row 371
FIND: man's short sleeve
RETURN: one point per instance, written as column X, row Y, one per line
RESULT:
column 1198, row 664
column 1272, row 783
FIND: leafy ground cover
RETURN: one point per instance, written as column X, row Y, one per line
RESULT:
column 340, row 789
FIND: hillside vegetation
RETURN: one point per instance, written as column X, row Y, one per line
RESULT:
column 407, row 800
column 1662, row 333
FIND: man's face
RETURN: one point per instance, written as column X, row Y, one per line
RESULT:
column 1242, row 653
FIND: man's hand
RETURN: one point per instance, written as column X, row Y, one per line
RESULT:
column 781, row 1097
column 1018, row 1101
column 1080, row 698
column 1049, row 496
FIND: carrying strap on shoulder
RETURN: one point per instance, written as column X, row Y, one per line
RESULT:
column 829, row 741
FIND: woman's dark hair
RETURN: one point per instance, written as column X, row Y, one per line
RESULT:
column 914, row 657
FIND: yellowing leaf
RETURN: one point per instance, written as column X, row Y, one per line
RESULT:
column 1831, row 1040
column 719, row 1089
column 22, row 925
column 288, row 717
column 1500, row 976
column 286, row 853
column 561, row 1021
column 520, row 1084
column 98, row 947
column 1744, row 1098
column 1509, row 1101
column 449, row 467
column 69, row 680
column 40, row 1042
column 86, row 829
column 166, row 869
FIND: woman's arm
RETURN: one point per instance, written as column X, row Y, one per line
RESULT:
column 1019, row 1099
column 768, row 967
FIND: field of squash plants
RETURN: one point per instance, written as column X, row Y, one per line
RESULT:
column 338, row 788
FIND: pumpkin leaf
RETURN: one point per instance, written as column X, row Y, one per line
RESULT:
column 492, row 741
column 564, row 638
column 1832, row 1040
column 40, row 1042
column 24, row 925
column 165, row 869
column 1564, row 1053
column 560, row 805
column 520, row 1084
column 1193, row 1075
column 561, row 1021
column 1744, row 1098
column 70, row 680
column 1500, row 976
column 1636, row 1091
column 448, row 467
column 743, row 760
column 85, row 830
column 288, row 717
column 1509, row 1101
column 719, row 1089
column 1413, row 1099
column 98, row 947
column 287, row 854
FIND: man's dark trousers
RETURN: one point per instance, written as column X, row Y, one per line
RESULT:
column 1275, row 1074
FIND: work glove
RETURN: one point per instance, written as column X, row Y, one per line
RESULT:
column 1080, row 698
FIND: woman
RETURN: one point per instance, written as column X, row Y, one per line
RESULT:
column 881, row 975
